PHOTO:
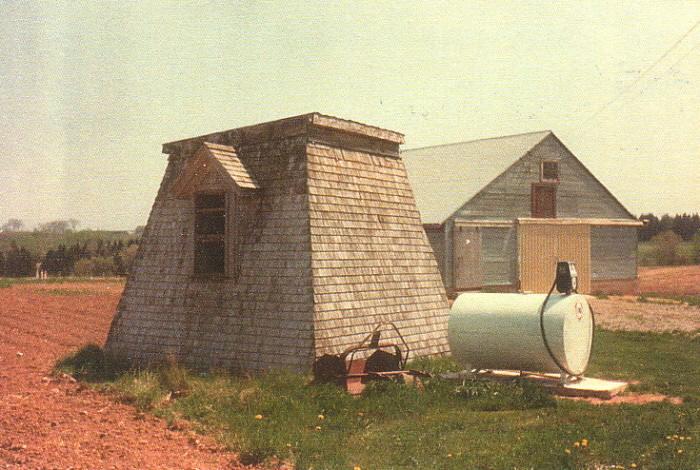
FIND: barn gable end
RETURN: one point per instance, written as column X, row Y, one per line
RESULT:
column 325, row 242
column 579, row 193
column 500, row 221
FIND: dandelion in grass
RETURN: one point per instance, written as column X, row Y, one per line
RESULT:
column 258, row 417
column 321, row 417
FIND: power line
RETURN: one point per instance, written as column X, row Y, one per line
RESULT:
column 644, row 74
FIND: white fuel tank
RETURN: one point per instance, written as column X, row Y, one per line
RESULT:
column 502, row 331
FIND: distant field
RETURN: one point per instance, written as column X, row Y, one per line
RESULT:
column 40, row 242
column 671, row 280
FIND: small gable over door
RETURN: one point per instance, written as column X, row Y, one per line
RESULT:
column 213, row 159
column 225, row 198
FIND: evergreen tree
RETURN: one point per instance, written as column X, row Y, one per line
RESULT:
column 650, row 227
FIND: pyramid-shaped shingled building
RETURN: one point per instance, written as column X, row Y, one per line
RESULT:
column 271, row 245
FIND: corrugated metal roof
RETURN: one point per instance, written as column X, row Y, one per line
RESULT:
column 229, row 161
column 444, row 177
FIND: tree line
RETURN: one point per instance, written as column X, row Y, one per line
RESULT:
column 93, row 258
column 686, row 226
column 58, row 249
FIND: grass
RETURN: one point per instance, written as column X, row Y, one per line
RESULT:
column 690, row 300
column 470, row 424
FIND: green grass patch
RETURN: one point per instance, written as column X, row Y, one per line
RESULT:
column 690, row 300
column 449, row 424
column 647, row 253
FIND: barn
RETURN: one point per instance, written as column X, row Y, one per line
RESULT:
column 273, row 244
column 500, row 212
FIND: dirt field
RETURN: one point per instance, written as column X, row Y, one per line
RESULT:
column 48, row 422
column 679, row 280
column 55, row 423
column 660, row 315
column 627, row 314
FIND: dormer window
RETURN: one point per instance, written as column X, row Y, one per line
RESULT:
column 225, row 199
column 210, row 234
column 549, row 171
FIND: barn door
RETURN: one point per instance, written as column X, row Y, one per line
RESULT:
column 544, row 200
column 466, row 249
column 540, row 246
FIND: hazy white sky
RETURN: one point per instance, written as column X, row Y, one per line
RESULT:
column 89, row 90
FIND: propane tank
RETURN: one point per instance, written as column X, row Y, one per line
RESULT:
column 503, row 331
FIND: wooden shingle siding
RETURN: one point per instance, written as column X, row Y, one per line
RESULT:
column 260, row 320
column 613, row 253
column 371, row 259
column 437, row 243
column 324, row 241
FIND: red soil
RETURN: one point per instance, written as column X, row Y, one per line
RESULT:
column 56, row 423
column 631, row 399
column 675, row 280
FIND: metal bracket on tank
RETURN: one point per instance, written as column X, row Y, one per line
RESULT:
column 565, row 379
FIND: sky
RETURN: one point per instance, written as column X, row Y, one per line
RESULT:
column 90, row 90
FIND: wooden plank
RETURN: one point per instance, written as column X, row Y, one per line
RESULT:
column 541, row 246
column 467, row 257
column 587, row 387
column 580, row 221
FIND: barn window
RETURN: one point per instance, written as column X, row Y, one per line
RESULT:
column 550, row 171
column 210, row 234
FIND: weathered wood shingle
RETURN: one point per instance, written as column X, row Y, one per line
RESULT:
column 329, row 245
column 371, row 259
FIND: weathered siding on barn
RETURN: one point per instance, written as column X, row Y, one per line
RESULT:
column 466, row 259
column 579, row 194
column 499, row 256
column 371, row 259
column 613, row 253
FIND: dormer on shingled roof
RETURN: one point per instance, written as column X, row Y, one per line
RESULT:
column 213, row 157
